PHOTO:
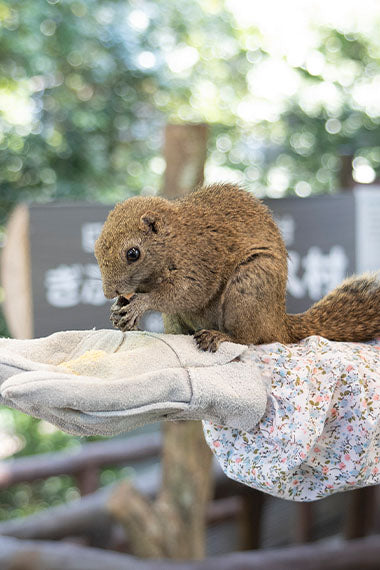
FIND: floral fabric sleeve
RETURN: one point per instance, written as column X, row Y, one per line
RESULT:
column 320, row 432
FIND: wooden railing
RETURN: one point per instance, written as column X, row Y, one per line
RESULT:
column 231, row 500
column 84, row 465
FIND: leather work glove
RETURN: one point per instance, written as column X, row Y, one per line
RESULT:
column 103, row 382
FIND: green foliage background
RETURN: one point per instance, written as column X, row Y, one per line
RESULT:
column 86, row 88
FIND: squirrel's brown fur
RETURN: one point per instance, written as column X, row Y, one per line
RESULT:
column 215, row 264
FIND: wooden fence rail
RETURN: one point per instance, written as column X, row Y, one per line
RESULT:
column 30, row 555
column 86, row 515
column 87, row 457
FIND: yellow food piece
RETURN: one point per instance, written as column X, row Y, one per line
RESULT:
column 88, row 357
column 128, row 296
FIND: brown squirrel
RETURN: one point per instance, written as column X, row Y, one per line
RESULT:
column 215, row 264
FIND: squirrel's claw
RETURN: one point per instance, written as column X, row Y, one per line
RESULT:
column 125, row 316
column 210, row 339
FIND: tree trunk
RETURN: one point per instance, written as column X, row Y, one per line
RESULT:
column 174, row 525
column 185, row 153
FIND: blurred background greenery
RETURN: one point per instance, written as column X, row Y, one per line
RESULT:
column 86, row 87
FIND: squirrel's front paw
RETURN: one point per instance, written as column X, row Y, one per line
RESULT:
column 210, row 340
column 118, row 309
column 125, row 314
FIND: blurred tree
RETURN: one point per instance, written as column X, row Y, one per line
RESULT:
column 74, row 101
column 85, row 89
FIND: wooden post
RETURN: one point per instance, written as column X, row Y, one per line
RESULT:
column 186, row 488
column 185, row 152
column 345, row 175
column 304, row 524
column 250, row 520
column 174, row 525
column 88, row 480
column 186, row 458
column 16, row 275
column 361, row 512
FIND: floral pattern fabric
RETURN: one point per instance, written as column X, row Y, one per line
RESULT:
column 320, row 432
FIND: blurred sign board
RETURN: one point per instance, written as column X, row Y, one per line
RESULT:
column 328, row 238
column 66, row 284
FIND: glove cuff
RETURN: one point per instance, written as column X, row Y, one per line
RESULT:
column 233, row 395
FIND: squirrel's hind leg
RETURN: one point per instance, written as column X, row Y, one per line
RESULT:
column 253, row 302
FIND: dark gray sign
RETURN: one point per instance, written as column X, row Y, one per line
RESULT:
column 328, row 238
column 67, row 292
column 319, row 234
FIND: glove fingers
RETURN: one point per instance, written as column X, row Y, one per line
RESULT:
column 90, row 394
column 81, row 423
column 58, row 347
column 49, row 350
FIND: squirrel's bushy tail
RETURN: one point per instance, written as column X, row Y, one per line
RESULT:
column 350, row 313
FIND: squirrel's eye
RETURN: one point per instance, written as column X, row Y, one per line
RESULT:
column 133, row 254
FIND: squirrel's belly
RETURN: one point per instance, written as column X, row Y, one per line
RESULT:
column 205, row 319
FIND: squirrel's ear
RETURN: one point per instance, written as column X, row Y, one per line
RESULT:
column 151, row 221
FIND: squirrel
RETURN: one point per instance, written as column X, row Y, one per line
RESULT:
column 215, row 264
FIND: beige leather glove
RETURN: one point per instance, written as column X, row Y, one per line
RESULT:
column 105, row 382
